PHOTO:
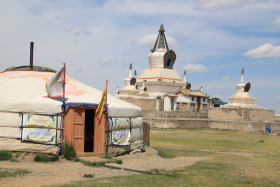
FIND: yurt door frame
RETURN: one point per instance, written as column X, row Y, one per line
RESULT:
column 82, row 129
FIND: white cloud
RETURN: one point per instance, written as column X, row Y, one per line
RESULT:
column 278, row 97
column 108, row 61
column 172, row 43
column 226, row 78
column 276, row 20
column 149, row 41
column 77, row 30
column 265, row 50
column 216, row 5
column 195, row 68
column 177, row 34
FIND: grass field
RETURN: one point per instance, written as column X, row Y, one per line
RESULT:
column 236, row 159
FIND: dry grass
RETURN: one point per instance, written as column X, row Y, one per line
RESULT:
column 237, row 159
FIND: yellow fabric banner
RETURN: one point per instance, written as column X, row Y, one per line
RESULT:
column 100, row 109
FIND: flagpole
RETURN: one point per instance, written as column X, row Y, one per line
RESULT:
column 106, row 105
column 107, row 123
column 63, row 86
column 106, row 95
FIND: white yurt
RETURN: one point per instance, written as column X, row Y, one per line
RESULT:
column 33, row 121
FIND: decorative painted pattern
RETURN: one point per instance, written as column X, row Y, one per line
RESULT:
column 69, row 88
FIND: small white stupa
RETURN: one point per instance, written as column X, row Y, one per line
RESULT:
column 242, row 99
column 129, row 88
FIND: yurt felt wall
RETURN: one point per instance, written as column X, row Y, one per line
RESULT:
column 11, row 133
column 133, row 133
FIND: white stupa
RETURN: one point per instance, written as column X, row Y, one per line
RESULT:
column 159, row 79
column 242, row 99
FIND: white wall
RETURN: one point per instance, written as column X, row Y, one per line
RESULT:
column 183, row 98
column 162, row 88
column 167, row 104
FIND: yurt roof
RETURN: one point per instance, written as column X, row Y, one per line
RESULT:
column 27, row 68
column 24, row 91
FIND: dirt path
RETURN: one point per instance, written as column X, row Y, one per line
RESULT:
column 150, row 160
column 64, row 171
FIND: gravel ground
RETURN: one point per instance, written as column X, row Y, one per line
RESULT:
column 64, row 171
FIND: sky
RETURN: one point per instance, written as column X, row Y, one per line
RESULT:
column 98, row 39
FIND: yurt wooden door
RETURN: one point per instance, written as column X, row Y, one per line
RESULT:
column 81, row 129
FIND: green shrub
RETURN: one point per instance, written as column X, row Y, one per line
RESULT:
column 68, row 152
column 87, row 163
column 41, row 158
column 13, row 160
column 99, row 164
column 88, row 175
column 5, row 155
column 75, row 159
column 53, row 158
column 118, row 161
column 45, row 158
column 92, row 164
column 18, row 154
column 107, row 157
